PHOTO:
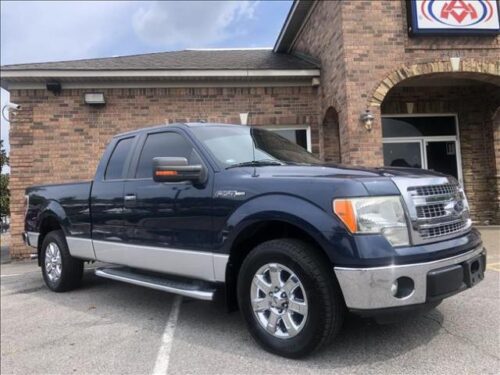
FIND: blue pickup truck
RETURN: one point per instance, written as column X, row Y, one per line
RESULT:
column 242, row 215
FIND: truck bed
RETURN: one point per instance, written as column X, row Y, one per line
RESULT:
column 70, row 201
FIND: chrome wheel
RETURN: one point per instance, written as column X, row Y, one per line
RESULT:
column 53, row 262
column 279, row 300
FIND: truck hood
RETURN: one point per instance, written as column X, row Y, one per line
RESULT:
column 339, row 171
column 374, row 181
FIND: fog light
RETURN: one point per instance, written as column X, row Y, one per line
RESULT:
column 394, row 288
column 402, row 287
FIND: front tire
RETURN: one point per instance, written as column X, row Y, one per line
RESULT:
column 61, row 272
column 289, row 298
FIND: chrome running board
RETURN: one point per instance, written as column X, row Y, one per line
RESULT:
column 194, row 289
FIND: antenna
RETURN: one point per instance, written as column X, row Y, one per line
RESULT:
column 254, row 174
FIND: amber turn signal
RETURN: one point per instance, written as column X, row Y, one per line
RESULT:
column 166, row 173
column 344, row 210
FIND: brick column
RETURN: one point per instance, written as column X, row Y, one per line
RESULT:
column 21, row 176
column 496, row 149
column 365, row 146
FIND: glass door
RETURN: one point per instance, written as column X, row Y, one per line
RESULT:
column 425, row 141
column 441, row 156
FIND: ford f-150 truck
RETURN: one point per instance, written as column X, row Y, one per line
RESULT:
column 241, row 213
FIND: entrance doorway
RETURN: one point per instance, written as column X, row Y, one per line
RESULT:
column 424, row 141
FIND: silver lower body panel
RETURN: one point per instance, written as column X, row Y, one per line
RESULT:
column 370, row 288
column 159, row 283
column 31, row 239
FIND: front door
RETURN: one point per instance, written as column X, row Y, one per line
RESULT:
column 429, row 142
column 106, row 202
column 168, row 225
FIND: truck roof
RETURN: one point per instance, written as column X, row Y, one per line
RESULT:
column 177, row 124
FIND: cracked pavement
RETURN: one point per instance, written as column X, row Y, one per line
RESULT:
column 110, row 327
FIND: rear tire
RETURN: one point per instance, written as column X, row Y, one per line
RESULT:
column 61, row 272
column 271, row 312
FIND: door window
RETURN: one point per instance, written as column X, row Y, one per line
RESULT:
column 116, row 163
column 168, row 144
column 403, row 154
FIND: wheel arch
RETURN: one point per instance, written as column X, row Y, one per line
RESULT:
column 257, row 232
column 49, row 222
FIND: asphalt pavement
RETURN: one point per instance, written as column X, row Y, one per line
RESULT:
column 108, row 327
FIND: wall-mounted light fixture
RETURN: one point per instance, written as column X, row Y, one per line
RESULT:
column 455, row 64
column 94, row 98
column 409, row 107
column 54, row 87
column 12, row 108
column 367, row 118
column 244, row 118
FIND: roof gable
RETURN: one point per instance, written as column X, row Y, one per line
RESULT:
column 295, row 19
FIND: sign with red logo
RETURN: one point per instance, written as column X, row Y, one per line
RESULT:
column 454, row 17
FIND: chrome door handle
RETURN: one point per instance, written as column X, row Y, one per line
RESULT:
column 129, row 200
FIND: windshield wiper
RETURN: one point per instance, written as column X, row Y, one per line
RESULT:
column 255, row 163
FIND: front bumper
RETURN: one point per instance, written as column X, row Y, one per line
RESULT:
column 418, row 283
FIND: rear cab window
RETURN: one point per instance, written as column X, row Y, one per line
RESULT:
column 116, row 164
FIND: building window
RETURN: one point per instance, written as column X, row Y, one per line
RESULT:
column 300, row 135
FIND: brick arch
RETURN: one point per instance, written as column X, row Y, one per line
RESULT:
column 405, row 72
column 331, row 136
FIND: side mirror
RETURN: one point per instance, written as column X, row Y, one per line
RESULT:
column 170, row 169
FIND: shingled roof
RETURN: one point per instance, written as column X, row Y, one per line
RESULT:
column 247, row 59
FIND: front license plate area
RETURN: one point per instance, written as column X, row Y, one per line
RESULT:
column 474, row 270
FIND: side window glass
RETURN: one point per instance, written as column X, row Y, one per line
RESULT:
column 167, row 144
column 116, row 163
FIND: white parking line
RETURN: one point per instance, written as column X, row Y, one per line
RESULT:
column 19, row 274
column 163, row 356
column 37, row 271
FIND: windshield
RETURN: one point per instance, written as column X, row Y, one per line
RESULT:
column 233, row 145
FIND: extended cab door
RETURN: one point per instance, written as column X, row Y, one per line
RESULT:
column 106, row 201
column 168, row 225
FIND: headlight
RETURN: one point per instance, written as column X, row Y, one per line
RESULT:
column 383, row 215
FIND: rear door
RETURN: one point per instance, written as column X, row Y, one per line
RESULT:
column 106, row 201
column 168, row 225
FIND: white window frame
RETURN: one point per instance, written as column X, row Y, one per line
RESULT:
column 425, row 139
column 294, row 127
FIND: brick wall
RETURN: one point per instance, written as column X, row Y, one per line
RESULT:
column 60, row 139
column 322, row 38
column 365, row 51
column 496, row 150
column 360, row 43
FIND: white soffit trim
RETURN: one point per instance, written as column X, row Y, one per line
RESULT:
column 30, row 85
column 157, row 73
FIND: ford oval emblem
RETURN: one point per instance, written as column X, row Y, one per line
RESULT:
column 459, row 207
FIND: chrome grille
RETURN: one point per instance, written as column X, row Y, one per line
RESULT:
column 440, row 211
column 443, row 230
column 431, row 211
column 434, row 189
